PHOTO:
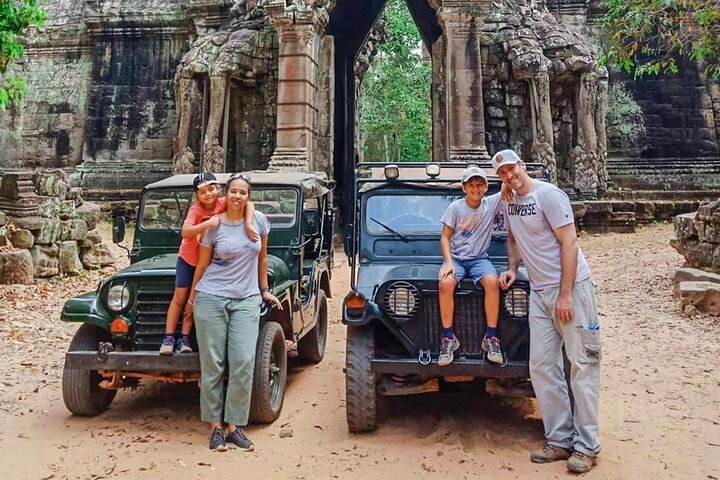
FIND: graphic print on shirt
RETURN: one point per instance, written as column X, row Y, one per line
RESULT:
column 466, row 225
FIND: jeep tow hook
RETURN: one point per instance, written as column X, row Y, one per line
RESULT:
column 103, row 351
column 424, row 357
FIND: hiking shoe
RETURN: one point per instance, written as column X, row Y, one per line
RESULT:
column 166, row 348
column 491, row 345
column 217, row 440
column 183, row 345
column 447, row 348
column 550, row 453
column 238, row 439
column 581, row 463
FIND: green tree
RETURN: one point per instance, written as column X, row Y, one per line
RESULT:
column 394, row 111
column 647, row 36
column 15, row 17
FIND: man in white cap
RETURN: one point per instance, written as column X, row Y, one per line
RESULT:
column 562, row 312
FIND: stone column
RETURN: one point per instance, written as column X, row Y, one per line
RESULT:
column 300, row 35
column 600, row 127
column 462, row 23
column 584, row 155
column 543, row 141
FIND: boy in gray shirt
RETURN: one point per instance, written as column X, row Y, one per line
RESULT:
column 465, row 240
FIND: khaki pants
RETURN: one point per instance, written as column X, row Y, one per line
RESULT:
column 565, row 428
column 227, row 332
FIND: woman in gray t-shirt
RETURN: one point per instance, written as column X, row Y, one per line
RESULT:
column 228, row 289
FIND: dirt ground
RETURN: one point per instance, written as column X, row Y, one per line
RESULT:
column 660, row 404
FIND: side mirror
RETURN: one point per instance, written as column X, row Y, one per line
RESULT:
column 118, row 229
column 311, row 222
column 348, row 241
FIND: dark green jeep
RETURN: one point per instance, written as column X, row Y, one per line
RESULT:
column 123, row 322
column 392, row 312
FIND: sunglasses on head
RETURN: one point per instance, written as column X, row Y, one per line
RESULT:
column 241, row 176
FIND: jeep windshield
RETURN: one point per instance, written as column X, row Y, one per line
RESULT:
column 167, row 209
column 411, row 213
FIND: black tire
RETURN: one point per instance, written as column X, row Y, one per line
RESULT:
column 270, row 376
column 311, row 347
column 360, row 386
column 80, row 387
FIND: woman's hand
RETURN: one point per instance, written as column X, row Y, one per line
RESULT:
column 269, row 297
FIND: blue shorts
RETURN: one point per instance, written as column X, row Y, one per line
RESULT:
column 184, row 273
column 475, row 268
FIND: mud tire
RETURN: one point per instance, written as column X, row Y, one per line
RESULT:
column 80, row 387
column 360, row 385
column 270, row 362
column 311, row 347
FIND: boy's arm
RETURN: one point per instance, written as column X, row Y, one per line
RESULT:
column 249, row 219
column 189, row 230
column 447, row 266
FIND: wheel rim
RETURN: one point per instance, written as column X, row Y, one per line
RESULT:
column 275, row 380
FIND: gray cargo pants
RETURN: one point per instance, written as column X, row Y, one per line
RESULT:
column 227, row 332
column 563, row 427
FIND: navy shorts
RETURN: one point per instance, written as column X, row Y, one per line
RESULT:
column 184, row 273
column 475, row 268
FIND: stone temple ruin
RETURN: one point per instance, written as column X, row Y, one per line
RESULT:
column 124, row 92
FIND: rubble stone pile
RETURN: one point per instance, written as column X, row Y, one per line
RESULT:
column 46, row 228
column 697, row 238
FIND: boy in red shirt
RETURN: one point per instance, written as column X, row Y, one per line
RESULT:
column 201, row 216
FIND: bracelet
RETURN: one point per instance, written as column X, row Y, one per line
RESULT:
column 263, row 290
column 190, row 303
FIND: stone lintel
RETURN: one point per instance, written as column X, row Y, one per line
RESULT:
column 469, row 154
column 287, row 159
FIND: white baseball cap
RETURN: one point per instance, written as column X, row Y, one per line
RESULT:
column 473, row 171
column 504, row 157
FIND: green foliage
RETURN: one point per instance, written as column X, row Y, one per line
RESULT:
column 15, row 17
column 394, row 111
column 646, row 36
column 624, row 119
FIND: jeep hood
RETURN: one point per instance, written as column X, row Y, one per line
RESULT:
column 372, row 276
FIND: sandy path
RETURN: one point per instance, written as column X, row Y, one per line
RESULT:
column 660, row 400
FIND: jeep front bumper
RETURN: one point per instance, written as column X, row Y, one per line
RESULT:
column 133, row 361
column 460, row 367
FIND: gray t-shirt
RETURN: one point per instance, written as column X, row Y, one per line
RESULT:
column 233, row 269
column 472, row 229
column 532, row 219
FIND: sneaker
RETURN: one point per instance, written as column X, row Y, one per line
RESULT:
column 217, row 440
column 238, row 439
column 491, row 345
column 183, row 345
column 447, row 348
column 550, row 453
column 581, row 463
column 166, row 348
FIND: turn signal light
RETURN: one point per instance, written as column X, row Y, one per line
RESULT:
column 355, row 303
column 119, row 326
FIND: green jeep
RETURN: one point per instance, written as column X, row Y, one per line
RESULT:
column 123, row 321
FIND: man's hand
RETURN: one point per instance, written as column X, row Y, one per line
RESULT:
column 564, row 308
column 269, row 297
column 445, row 270
column 507, row 278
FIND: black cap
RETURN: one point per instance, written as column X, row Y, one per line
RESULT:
column 203, row 180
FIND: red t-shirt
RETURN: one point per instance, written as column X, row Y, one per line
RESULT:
column 190, row 248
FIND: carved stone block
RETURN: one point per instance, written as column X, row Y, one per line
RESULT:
column 99, row 255
column 45, row 260
column 22, row 238
column 68, row 256
column 16, row 267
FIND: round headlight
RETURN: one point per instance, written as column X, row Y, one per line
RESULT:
column 516, row 302
column 402, row 300
column 118, row 297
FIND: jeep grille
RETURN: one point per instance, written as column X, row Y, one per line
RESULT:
column 153, row 301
